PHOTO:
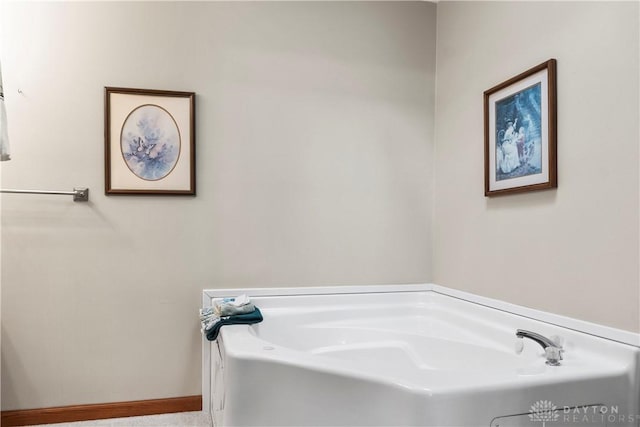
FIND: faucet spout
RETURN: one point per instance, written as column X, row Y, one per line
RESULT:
column 553, row 351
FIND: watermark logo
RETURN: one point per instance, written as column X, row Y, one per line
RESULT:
column 544, row 411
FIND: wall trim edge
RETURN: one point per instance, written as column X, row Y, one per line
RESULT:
column 96, row 411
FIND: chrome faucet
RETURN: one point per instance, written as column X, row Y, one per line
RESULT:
column 552, row 350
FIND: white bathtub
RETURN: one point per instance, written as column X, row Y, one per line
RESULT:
column 413, row 357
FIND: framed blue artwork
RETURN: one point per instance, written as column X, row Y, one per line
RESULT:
column 149, row 142
column 520, row 140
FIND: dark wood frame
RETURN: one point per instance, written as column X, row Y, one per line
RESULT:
column 550, row 67
column 191, row 191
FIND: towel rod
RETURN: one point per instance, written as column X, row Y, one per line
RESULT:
column 79, row 194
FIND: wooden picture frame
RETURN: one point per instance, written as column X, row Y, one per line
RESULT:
column 520, row 140
column 149, row 142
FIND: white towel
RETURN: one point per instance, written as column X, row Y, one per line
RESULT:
column 4, row 133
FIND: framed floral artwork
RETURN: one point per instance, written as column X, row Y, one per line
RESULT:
column 520, row 132
column 149, row 142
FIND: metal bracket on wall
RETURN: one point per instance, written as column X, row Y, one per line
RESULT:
column 80, row 194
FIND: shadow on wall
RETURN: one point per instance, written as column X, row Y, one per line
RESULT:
column 522, row 201
column 17, row 374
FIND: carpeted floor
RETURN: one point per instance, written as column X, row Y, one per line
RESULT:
column 182, row 419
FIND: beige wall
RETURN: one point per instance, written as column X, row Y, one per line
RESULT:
column 314, row 166
column 574, row 250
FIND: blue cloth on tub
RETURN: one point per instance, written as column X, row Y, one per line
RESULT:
column 213, row 330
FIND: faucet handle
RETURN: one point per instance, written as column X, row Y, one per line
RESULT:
column 553, row 355
column 557, row 340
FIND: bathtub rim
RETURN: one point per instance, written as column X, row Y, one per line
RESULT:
column 596, row 330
